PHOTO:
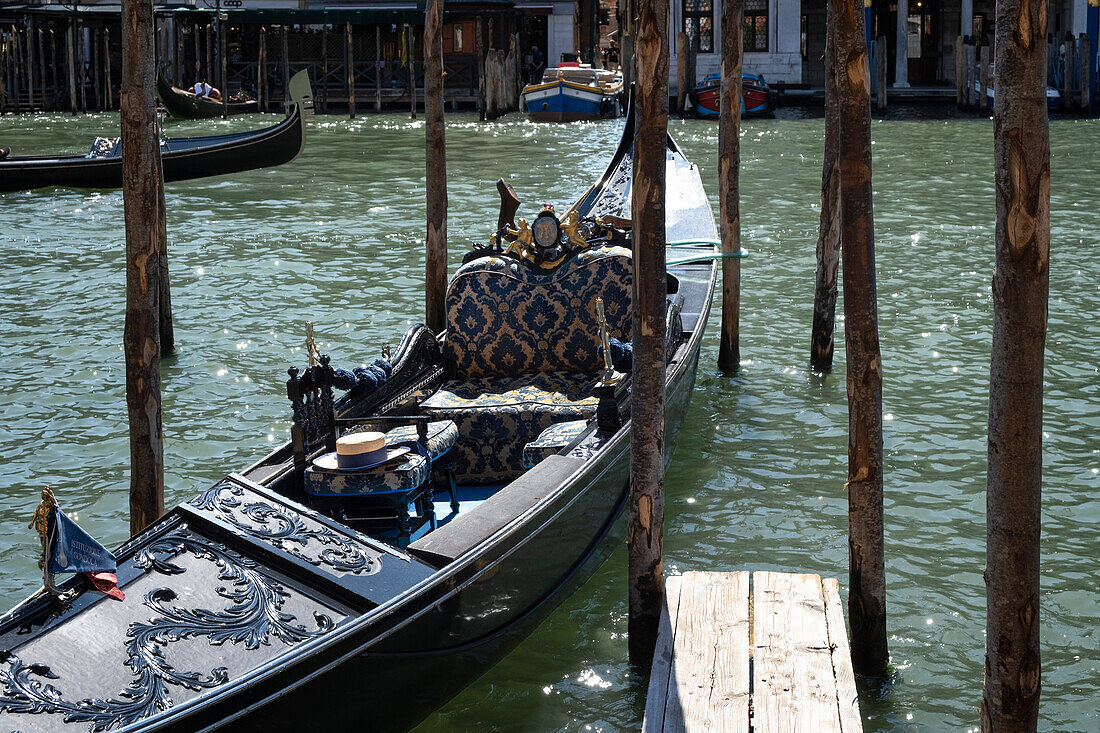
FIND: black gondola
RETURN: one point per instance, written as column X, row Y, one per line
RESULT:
column 290, row 597
column 183, row 158
column 189, row 106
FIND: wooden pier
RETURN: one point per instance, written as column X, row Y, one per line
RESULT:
column 773, row 657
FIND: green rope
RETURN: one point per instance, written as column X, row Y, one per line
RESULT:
column 691, row 242
column 708, row 257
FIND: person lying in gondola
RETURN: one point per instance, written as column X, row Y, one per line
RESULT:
column 202, row 89
column 239, row 97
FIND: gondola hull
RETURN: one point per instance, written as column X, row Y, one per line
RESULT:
column 182, row 159
column 185, row 105
column 329, row 628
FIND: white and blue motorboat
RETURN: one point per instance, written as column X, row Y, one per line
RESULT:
column 574, row 92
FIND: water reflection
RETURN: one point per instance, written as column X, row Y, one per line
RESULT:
column 337, row 238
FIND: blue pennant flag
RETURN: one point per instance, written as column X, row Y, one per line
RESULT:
column 72, row 550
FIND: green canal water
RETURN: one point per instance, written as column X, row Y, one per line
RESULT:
column 757, row 480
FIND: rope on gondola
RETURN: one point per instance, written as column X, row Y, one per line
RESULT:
column 707, row 257
column 693, row 242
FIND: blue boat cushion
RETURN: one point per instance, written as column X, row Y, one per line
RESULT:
column 442, row 435
column 551, row 441
column 403, row 477
column 505, row 318
column 498, row 416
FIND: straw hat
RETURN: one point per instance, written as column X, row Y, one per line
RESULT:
column 358, row 452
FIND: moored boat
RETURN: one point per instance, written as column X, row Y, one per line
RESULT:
column 190, row 106
column 757, row 98
column 1054, row 98
column 183, row 158
column 297, row 596
column 572, row 92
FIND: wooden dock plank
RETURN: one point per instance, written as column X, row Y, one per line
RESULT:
column 793, row 684
column 801, row 675
column 847, row 699
column 657, row 694
column 708, row 686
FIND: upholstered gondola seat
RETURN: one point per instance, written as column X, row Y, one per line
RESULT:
column 521, row 351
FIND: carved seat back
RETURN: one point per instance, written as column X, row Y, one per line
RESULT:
column 314, row 424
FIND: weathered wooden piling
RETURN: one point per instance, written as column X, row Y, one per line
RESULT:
column 349, row 65
column 881, row 75
column 262, row 69
column 867, row 575
column 410, row 47
column 435, row 276
column 983, row 79
column 828, row 224
column 959, row 71
column 645, row 531
column 1086, row 78
column 1021, row 164
column 42, row 65
column 31, row 85
column 177, row 55
column 107, row 68
column 971, row 78
column 324, row 68
column 286, row 65
column 377, row 69
column 1067, row 76
column 480, row 42
column 16, row 65
column 197, row 34
column 97, row 82
column 143, row 204
column 681, row 72
column 729, row 183
column 223, row 76
column 70, row 59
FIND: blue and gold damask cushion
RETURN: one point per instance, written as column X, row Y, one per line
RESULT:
column 505, row 318
column 442, row 435
column 403, row 476
column 498, row 416
column 551, row 441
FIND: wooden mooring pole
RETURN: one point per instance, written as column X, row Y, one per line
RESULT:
column 881, row 76
column 479, row 36
column 681, row 72
column 107, row 68
column 435, row 275
column 729, row 185
column 1067, row 75
column 1086, row 93
column 646, row 505
column 377, row 68
column 286, row 65
column 983, row 79
column 261, row 69
column 350, row 67
column 828, row 225
column 867, row 574
column 143, row 204
column 410, row 43
column 70, row 59
column 224, row 78
column 959, row 71
column 1021, row 279
column 324, row 69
